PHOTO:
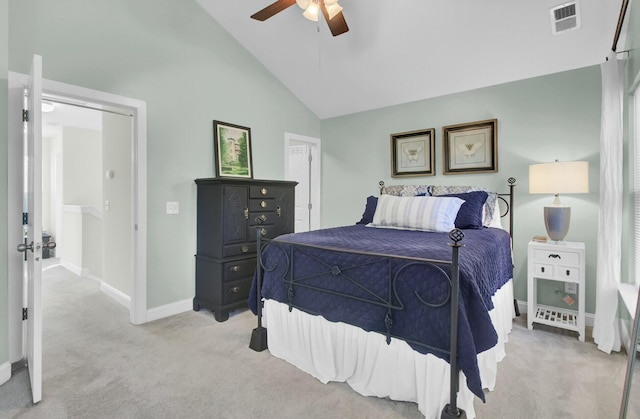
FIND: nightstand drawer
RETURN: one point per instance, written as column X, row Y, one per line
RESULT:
column 568, row 273
column 543, row 270
column 556, row 256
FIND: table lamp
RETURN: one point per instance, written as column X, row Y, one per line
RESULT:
column 556, row 178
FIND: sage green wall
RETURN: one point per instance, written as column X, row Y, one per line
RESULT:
column 189, row 70
column 4, row 284
column 539, row 120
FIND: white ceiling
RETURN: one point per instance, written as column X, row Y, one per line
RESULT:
column 399, row 51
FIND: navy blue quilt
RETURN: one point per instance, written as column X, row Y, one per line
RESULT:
column 418, row 292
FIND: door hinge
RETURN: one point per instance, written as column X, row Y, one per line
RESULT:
column 25, row 315
column 25, row 218
column 309, row 206
column 25, row 115
column 310, row 157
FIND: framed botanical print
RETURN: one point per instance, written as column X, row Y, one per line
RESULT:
column 232, row 149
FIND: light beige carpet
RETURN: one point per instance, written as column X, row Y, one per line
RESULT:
column 96, row 364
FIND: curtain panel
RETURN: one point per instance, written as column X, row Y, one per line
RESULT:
column 605, row 330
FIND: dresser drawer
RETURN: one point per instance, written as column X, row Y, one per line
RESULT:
column 266, row 191
column 238, row 269
column 554, row 256
column 247, row 248
column 236, row 291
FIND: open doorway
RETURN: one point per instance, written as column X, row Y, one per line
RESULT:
column 87, row 192
column 302, row 162
column 135, row 159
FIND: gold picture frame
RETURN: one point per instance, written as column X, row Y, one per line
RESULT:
column 413, row 153
column 470, row 148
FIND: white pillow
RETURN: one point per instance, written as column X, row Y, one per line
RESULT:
column 496, row 220
column 426, row 213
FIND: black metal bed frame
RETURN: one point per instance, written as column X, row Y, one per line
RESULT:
column 391, row 301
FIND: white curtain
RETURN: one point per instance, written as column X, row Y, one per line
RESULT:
column 605, row 330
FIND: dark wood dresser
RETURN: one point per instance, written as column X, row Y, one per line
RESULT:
column 229, row 211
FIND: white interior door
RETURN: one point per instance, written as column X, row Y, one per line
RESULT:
column 302, row 164
column 34, row 228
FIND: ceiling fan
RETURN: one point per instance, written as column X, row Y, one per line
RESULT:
column 331, row 11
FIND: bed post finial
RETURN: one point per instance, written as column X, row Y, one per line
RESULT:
column 456, row 235
column 381, row 184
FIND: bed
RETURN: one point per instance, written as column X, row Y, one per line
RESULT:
column 414, row 302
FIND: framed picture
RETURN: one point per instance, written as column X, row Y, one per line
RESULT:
column 413, row 153
column 470, row 147
column 232, row 147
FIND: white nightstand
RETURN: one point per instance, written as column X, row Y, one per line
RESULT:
column 556, row 261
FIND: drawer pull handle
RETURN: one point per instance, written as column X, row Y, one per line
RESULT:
column 263, row 231
column 263, row 191
column 568, row 272
column 554, row 256
column 235, row 268
column 235, row 289
column 245, row 248
column 263, row 218
column 279, row 211
column 542, row 269
column 246, row 213
column 263, row 204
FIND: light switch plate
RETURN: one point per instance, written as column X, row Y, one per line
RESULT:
column 173, row 208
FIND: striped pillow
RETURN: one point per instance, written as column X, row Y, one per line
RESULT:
column 426, row 213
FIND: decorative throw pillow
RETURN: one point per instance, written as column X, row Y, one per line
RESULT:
column 426, row 213
column 471, row 212
column 369, row 210
column 489, row 206
column 406, row 190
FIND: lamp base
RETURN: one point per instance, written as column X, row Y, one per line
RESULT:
column 556, row 220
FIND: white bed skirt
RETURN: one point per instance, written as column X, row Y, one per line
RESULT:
column 341, row 352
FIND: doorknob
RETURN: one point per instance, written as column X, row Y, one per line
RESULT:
column 23, row 247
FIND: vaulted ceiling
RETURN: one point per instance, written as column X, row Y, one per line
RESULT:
column 399, row 51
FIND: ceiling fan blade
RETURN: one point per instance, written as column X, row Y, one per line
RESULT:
column 272, row 9
column 337, row 25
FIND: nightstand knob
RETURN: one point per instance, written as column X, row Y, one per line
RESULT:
column 235, row 268
column 263, row 191
column 235, row 289
column 263, row 231
column 542, row 269
column 263, row 204
column 245, row 248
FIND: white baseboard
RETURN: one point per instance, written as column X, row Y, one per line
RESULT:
column 83, row 272
column 117, row 295
column 169, row 310
column 5, row 372
column 588, row 317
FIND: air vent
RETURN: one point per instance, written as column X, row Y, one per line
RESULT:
column 565, row 17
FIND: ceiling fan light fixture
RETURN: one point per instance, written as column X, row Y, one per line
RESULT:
column 303, row 4
column 333, row 9
column 312, row 10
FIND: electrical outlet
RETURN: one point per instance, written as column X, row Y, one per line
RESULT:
column 570, row 288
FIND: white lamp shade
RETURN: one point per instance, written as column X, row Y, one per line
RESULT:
column 311, row 12
column 303, row 4
column 559, row 177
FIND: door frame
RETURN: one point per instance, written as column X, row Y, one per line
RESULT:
column 316, row 172
column 138, row 110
